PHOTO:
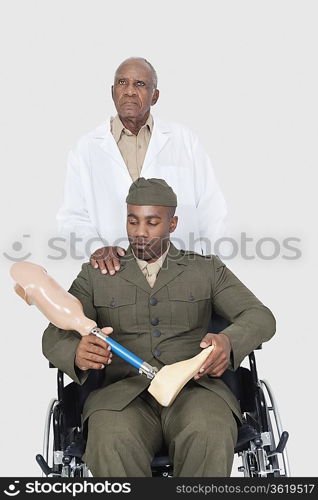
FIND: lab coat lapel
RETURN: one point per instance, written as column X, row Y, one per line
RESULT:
column 108, row 144
column 159, row 137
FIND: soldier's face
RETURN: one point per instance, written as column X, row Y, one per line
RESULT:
column 148, row 229
column 133, row 91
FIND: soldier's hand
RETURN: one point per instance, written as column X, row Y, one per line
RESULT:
column 107, row 259
column 218, row 360
column 93, row 352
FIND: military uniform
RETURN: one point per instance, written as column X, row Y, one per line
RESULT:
column 161, row 325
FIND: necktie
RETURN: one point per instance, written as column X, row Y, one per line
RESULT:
column 152, row 271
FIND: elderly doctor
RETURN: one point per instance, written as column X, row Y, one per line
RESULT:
column 123, row 148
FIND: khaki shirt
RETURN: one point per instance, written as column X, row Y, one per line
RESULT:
column 150, row 271
column 132, row 147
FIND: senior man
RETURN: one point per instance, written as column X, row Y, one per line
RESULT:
column 158, row 306
column 124, row 147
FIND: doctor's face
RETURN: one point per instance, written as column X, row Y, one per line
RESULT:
column 133, row 91
column 148, row 229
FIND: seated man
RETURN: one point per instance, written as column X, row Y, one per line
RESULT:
column 158, row 306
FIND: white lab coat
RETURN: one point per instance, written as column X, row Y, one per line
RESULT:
column 97, row 183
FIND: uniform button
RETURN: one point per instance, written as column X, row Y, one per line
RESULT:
column 156, row 333
column 113, row 303
column 191, row 298
column 153, row 301
column 157, row 352
column 154, row 321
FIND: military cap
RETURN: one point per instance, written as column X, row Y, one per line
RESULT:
column 151, row 192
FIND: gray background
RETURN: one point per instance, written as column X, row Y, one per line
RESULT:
column 243, row 75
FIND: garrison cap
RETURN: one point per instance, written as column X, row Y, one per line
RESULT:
column 151, row 192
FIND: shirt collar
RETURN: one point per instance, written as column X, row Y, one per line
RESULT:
column 143, row 263
column 117, row 127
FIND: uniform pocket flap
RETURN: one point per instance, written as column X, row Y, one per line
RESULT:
column 188, row 293
column 115, row 297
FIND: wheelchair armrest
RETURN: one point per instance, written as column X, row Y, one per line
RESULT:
column 60, row 381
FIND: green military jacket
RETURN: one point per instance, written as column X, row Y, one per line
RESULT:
column 161, row 325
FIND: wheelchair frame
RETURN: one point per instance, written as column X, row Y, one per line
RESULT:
column 261, row 443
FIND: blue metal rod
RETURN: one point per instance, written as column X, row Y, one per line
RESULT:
column 122, row 351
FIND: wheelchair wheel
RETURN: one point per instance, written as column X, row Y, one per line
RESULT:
column 275, row 430
column 51, row 459
column 266, row 455
column 47, row 438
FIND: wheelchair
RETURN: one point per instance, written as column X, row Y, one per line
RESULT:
column 261, row 443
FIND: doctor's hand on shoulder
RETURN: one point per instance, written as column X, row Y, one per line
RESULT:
column 219, row 359
column 107, row 259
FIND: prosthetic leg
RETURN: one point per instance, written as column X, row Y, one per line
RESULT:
column 65, row 311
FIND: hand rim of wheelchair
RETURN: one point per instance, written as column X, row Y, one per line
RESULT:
column 273, row 408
